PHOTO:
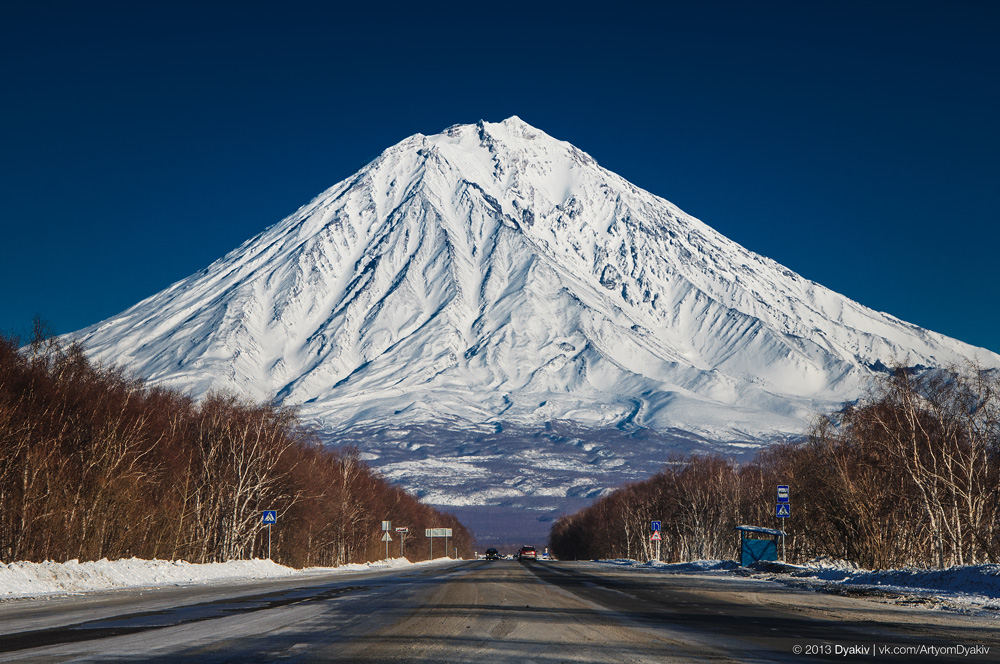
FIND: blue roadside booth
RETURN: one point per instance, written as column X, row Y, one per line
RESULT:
column 758, row 543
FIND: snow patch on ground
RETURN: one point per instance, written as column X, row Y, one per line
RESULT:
column 961, row 588
column 24, row 579
column 693, row 567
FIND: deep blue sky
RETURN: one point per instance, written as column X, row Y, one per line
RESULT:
column 854, row 142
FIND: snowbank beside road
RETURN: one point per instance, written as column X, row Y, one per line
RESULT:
column 23, row 579
column 693, row 567
column 966, row 586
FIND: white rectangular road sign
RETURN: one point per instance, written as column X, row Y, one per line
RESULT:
column 403, row 529
column 387, row 525
column 437, row 532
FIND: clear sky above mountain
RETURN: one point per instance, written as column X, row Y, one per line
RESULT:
column 854, row 142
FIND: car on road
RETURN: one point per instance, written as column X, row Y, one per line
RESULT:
column 492, row 554
column 527, row 553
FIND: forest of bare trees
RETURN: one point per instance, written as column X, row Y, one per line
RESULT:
column 909, row 475
column 96, row 464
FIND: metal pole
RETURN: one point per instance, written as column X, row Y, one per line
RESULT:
column 446, row 546
column 268, row 541
column 432, row 547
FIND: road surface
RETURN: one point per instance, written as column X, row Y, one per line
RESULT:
column 489, row 613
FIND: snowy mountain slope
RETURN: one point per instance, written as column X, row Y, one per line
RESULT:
column 492, row 272
column 497, row 320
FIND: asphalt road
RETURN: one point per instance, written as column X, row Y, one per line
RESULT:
column 489, row 612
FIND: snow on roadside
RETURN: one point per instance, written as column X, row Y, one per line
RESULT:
column 23, row 579
column 693, row 567
column 959, row 587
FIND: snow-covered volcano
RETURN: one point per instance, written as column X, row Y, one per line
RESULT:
column 492, row 276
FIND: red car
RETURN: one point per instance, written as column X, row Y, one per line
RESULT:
column 527, row 553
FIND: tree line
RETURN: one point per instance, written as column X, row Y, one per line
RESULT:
column 95, row 463
column 907, row 476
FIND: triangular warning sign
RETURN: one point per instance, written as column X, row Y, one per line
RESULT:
column 655, row 537
column 387, row 537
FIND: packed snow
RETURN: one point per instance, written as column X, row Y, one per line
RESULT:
column 24, row 579
column 961, row 588
column 969, row 587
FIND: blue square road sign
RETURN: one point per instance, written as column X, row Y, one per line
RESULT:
column 270, row 516
column 783, row 510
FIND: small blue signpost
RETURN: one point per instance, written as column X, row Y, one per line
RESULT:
column 270, row 516
column 655, row 526
column 783, row 510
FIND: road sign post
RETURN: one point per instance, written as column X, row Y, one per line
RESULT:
column 386, row 527
column 269, row 517
column 402, row 532
column 783, row 510
column 655, row 527
column 438, row 532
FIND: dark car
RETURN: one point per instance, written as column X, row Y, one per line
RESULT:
column 527, row 553
column 492, row 554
